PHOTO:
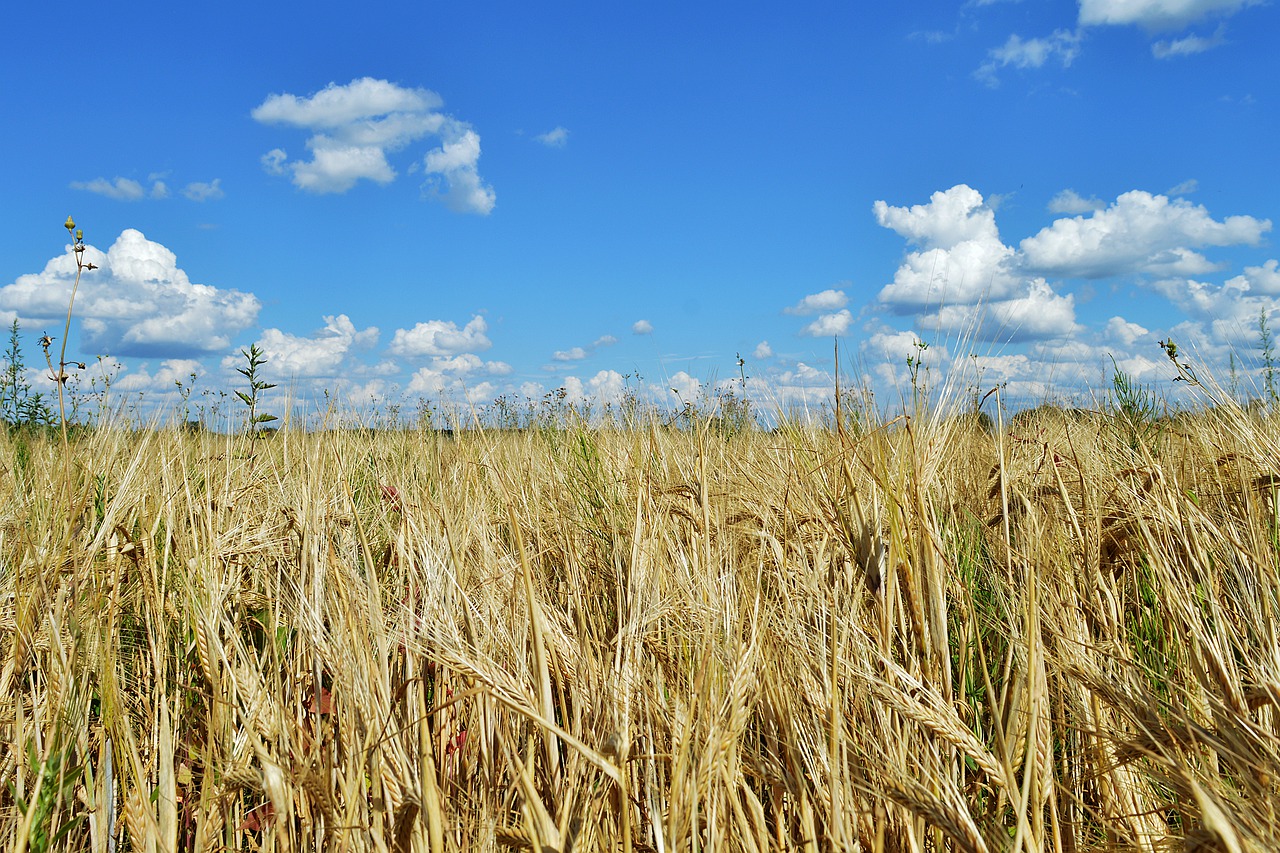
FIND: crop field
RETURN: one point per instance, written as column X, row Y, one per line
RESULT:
column 1055, row 632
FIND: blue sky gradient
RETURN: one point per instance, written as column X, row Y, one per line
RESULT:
column 460, row 201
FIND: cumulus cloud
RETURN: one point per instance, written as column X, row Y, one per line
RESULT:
column 1071, row 202
column 354, row 127
column 1038, row 312
column 642, row 327
column 951, row 217
column 1157, row 14
column 816, row 303
column 441, row 338
column 453, row 174
column 1139, row 232
column 1063, row 46
column 829, row 325
column 138, row 302
column 605, row 388
column 165, row 379
column 763, row 350
column 684, row 386
column 574, row 354
column 965, row 278
column 457, row 375
column 558, row 137
column 1263, row 280
column 210, row 191
column 1121, row 330
column 962, row 260
column 321, row 355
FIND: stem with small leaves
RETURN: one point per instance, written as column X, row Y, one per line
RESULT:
column 60, row 375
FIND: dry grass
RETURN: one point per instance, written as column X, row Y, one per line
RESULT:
column 920, row 637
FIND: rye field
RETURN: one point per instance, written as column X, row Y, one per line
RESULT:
column 1054, row 632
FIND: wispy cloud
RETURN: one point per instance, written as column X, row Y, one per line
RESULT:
column 1189, row 45
column 1069, row 201
column 1062, row 47
column 557, row 137
column 121, row 189
column 210, row 191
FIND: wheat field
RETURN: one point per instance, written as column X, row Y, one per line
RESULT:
column 907, row 634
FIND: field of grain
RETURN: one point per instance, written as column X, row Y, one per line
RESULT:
column 914, row 634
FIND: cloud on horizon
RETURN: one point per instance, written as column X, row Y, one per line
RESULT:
column 137, row 303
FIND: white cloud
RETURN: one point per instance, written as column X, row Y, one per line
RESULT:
column 451, row 374
column 967, row 280
column 124, row 189
column 963, row 261
column 273, row 162
column 684, row 386
column 1062, row 46
column 456, row 178
column 441, row 337
column 1140, row 232
column 322, row 354
column 1229, row 303
column 1157, row 14
column 363, row 100
column 139, row 302
column 1036, row 313
column 1264, row 279
column 642, row 327
column 606, row 387
column 1188, row 45
column 163, row 381
column 952, row 216
column 354, row 127
column 204, row 192
column 887, row 351
column 763, row 350
column 574, row 354
column 335, row 167
column 1121, row 330
column 816, row 303
column 1071, row 202
column 579, row 353
column 1187, row 187
column 121, row 189
column 829, row 325
column 555, row 138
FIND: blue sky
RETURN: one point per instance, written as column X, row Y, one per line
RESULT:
column 467, row 200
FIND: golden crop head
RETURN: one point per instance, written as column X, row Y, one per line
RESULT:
column 70, row 224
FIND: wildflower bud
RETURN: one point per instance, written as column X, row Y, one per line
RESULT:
column 79, row 235
column 70, row 224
